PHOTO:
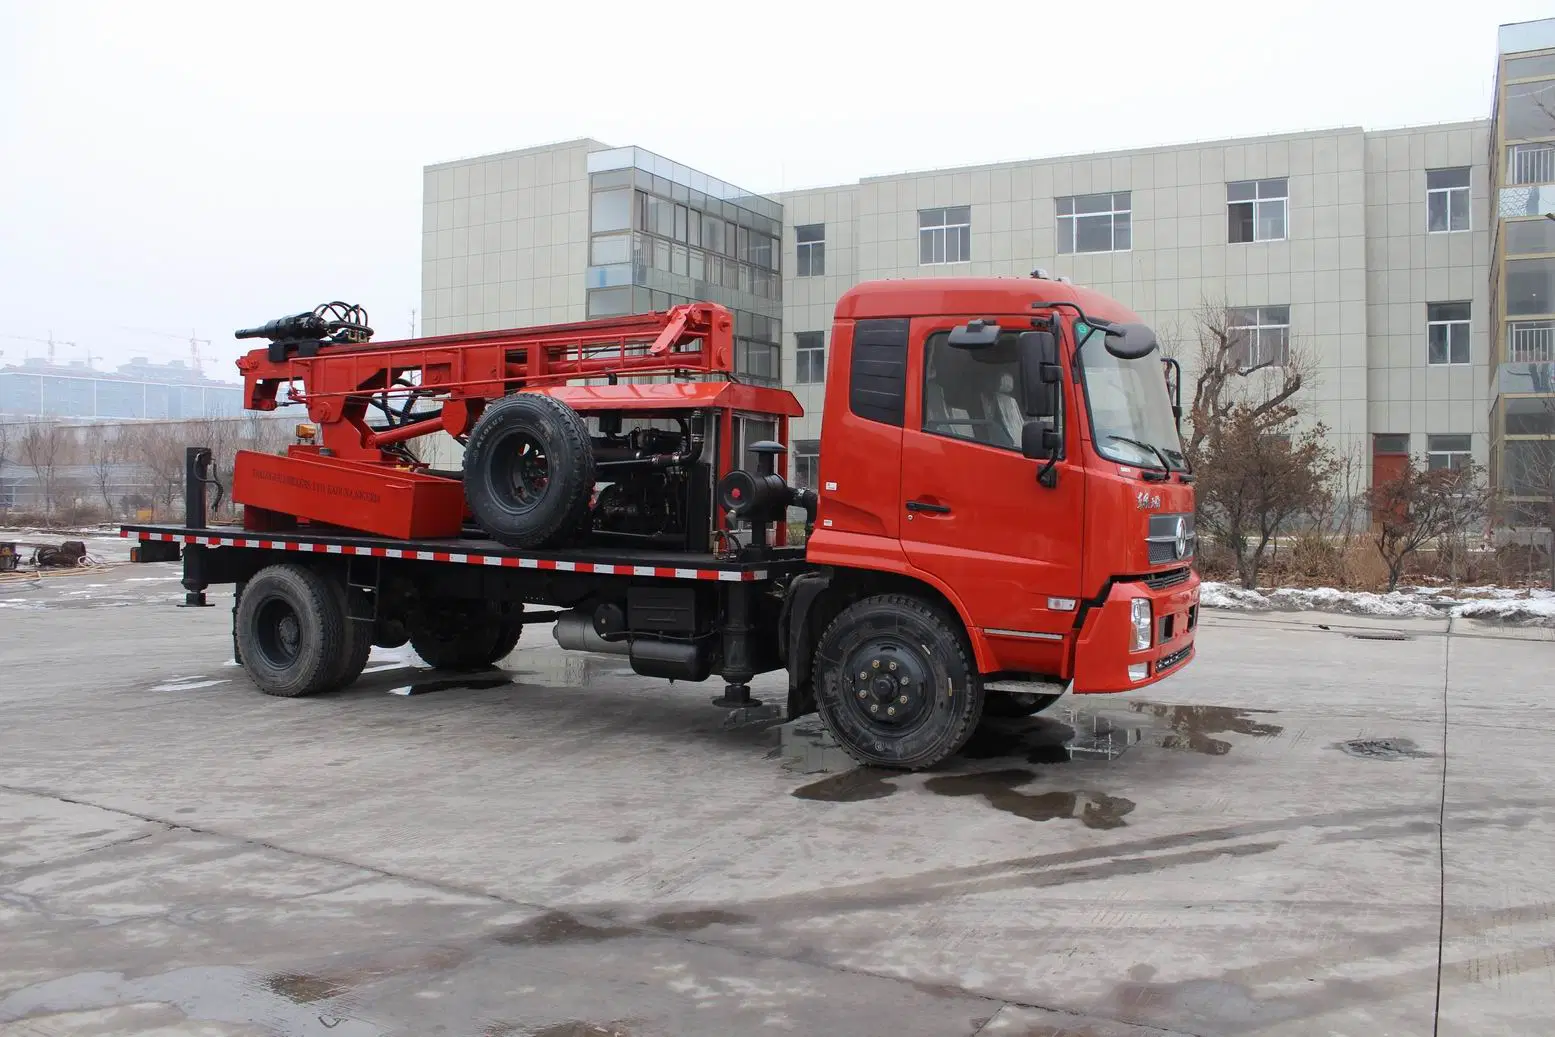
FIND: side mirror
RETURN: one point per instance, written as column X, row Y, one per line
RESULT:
column 1130, row 341
column 1039, row 441
column 1039, row 374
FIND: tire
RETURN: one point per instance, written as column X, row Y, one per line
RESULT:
column 1016, row 703
column 922, row 654
column 512, row 628
column 292, row 632
column 353, row 661
column 464, row 635
column 529, row 470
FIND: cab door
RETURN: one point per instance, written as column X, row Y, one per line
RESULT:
column 972, row 511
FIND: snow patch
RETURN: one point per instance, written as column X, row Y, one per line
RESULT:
column 188, row 684
column 1538, row 609
column 1502, row 604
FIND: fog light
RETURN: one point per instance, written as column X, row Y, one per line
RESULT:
column 1139, row 611
column 1138, row 671
column 1062, row 604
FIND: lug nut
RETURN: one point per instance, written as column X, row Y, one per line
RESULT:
column 874, row 707
column 903, row 700
column 863, row 693
column 875, row 664
column 863, row 675
column 905, row 682
column 893, row 664
column 890, row 711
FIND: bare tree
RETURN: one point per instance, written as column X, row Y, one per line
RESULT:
column 104, row 453
column 42, row 445
column 5, row 440
column 1257, row 470
column 1257, row 476
column 159, row 451
column 1229, row 371
column 1420, row 505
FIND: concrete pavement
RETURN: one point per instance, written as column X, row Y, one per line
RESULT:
column 1272, row 843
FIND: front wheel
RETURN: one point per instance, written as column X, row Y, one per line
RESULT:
column 895, row 682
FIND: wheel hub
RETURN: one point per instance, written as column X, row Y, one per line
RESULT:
column 890, row 684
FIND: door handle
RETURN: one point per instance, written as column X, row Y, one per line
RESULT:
column 937, row 509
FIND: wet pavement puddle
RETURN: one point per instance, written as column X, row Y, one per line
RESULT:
column 1384, row 749
column 1062, row 736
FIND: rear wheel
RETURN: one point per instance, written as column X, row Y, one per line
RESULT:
column 464, row 635
column 895, row 683
column 529, row 470
column 292, row 632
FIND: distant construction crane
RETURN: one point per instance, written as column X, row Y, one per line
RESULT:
column 51, row 342
column 194, row 344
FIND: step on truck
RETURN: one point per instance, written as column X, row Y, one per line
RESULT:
column 1002, row 509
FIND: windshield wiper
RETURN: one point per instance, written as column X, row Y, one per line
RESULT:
column 1159, row 456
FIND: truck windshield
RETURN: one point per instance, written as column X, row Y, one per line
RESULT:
column 1131, row 413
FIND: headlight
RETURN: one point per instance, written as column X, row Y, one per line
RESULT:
column 1140, row 612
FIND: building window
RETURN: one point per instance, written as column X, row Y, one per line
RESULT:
column 1256, row 210
column 1095, row 222
column 1446, row 200
column 945, row 235
column 1530, row 287
column 1526, row 113
column 1531, row 163
column 807, row 463
column 1446, row 452
column 1260, row 335
column 1529, row 237
column 812, row 249
column 1390, row 443
column 809, row 357
column 612, row 210
column 1530, row 341
column 1447, row 332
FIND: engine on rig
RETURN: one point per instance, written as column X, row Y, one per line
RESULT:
column 653, row 486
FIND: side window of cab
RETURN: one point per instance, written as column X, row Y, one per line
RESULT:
column 973, row 394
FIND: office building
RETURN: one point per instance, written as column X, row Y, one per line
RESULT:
column 1405, row 264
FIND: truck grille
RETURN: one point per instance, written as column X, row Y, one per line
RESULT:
column 1166, row 662
column 1162, row 538
column 1170, row 578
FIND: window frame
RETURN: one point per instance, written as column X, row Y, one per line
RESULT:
column 1074, row 216
column 810, row 254
column 939, row 337
column 1449, row 323
column 1260, row 327
column 1456, row 459
column 807, row 450
column 1445, row 195
column 806, row 345
column 1258, row 200
column 940, row 230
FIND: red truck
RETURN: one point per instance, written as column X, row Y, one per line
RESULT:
column 1003, row 509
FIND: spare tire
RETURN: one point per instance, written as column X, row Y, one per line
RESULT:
column 528, row 470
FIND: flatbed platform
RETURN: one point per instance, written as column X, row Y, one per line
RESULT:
column 609, row 561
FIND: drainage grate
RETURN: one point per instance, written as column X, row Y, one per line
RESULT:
column 1382, row 635
column 1383, row 749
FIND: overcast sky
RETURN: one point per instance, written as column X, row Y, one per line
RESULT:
column 205, row 166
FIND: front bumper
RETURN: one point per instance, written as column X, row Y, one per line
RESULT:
column 1104, row 659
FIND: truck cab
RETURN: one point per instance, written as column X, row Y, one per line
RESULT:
column 1010, row 448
